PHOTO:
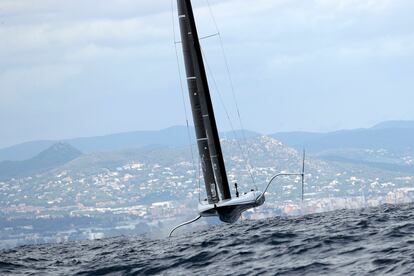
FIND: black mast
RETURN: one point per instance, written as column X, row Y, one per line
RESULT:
column 208, row 140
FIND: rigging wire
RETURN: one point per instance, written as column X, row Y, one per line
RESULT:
column 196, row 170
column 227, row 115
column 246, row 156
column 222, row 101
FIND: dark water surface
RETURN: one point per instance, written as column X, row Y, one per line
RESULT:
column 373, row 241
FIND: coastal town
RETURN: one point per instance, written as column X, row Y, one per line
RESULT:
column 147, row 197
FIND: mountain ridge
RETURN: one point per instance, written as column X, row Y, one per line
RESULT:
column 172, row 136
column 52, row 157
column 395, row 135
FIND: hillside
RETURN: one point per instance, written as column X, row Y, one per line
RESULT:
column 394, row 135
column 147, row 175
column 54, row 156
column 170, row 137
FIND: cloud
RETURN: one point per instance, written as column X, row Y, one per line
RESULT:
column 46, row 35
column 77, row 9
column 380, row 48
column 19, row 83
column 43, row 55
column 52, row 50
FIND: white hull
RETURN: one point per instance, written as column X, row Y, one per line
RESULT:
column 230, row 210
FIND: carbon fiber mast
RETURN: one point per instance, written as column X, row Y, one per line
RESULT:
column 208, row 141
column 219, row 202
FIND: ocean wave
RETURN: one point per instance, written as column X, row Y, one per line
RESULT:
column 346, row 242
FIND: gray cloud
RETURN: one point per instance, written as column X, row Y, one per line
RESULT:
column 76, row 68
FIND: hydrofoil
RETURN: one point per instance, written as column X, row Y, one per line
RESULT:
column 220, row 202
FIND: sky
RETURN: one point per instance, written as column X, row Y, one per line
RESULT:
column 94, row 67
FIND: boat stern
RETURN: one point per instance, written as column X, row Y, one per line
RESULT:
column 230, row 210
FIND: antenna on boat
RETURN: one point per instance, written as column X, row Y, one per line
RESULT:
column 303, row 174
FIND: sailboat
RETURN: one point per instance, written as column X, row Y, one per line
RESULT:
column 219, row 202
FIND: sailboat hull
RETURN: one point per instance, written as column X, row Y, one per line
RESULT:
column 229, row 211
